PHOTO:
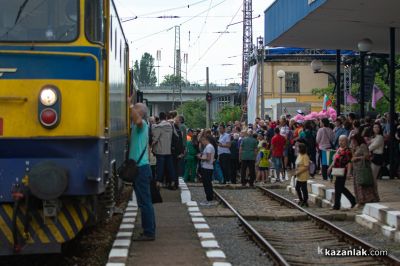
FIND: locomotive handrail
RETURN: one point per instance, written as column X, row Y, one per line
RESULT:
column 13, row 99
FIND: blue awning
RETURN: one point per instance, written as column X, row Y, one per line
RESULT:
column 293, row 50
column 332, row 24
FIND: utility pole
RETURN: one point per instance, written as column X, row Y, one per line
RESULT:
column 261, row 50
column 177, row 89
column 208, row 104
column 247, row 45
column 158, row 61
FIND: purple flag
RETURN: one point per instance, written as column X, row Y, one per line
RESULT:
column 350, row 99
column 377, row 94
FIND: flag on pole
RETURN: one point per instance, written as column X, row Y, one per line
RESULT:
column 377, row 94
column 350, row 99
column 327, row 102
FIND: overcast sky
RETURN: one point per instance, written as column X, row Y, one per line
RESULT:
column 207, row 47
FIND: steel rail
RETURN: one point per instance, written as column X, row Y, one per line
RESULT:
column 389, row 259
column 261, row 241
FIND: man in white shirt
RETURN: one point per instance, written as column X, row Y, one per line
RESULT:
column 224, row 153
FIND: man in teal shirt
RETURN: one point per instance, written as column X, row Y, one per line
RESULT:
column 138, row 145
column 247, row 157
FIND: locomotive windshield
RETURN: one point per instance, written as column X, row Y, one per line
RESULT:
column 39, row 20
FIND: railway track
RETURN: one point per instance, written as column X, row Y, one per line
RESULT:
column 298, row 241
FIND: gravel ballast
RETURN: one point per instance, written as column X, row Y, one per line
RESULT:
column 239, row 249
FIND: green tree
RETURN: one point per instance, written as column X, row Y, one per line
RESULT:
column 381, row 80
column 194, row 113
column 172, row 80
column 320, row 92
column 229, row 113
column 144, row 72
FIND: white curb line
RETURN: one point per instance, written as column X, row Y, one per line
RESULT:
column 119, row 253
column 206, row 237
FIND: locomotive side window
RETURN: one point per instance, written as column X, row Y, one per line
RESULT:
column 39, row 20
column 94, row 23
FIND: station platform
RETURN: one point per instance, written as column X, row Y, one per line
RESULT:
column 182, row 236
column 383, row 216
column 176, row 240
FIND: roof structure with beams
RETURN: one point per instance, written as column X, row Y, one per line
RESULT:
column 332, row 24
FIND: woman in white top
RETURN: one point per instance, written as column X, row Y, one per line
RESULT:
column 207, row 167
column 376, row 148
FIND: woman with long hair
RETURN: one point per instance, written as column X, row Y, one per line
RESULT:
column 376, row 147
column 364, row 194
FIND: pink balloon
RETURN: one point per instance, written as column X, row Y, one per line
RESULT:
column 308, row 117
column 298, row 118
column 314, row 115
column 331, row 111
column 323, row 114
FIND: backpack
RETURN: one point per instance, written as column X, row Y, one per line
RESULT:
column 177, row 142
column 310, row 141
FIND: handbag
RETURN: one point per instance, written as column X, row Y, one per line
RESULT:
column 364, row 175
column 155, row 192
column 129, row 169
column 336, row 171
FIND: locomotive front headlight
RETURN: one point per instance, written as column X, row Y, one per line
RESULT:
column 48, row 96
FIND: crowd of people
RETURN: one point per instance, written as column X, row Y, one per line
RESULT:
column 271, row 151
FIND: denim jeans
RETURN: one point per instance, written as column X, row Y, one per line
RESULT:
column 206, row 176
column 143, row 195
column 162, row 162
column 225, row 163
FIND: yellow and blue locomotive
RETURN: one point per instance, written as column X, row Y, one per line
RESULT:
column 64, row 80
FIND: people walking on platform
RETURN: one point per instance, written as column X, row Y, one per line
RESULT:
column 139, row 150
column 278, row 144
column 361, row 158
column 234, row 157
column 192, row 149
column 325, row 138
column 207, row 166
column 307, row 136
column 263, row 162
column 162, row 138
column 302, row 174
column 376, row 147
column 224, row 153
column 287, row 134
column 177, row 151
column 340, row 169
column 247, row 157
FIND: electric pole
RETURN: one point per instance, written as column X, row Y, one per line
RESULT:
column 247, row 45
column 177, row 88
column 208, row 104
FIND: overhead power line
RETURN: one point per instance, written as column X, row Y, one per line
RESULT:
column 203, row 26
column 165, row 10
column 184, row 22
column 216, row 40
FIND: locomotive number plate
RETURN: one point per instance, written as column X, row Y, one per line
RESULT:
column 1, row 126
